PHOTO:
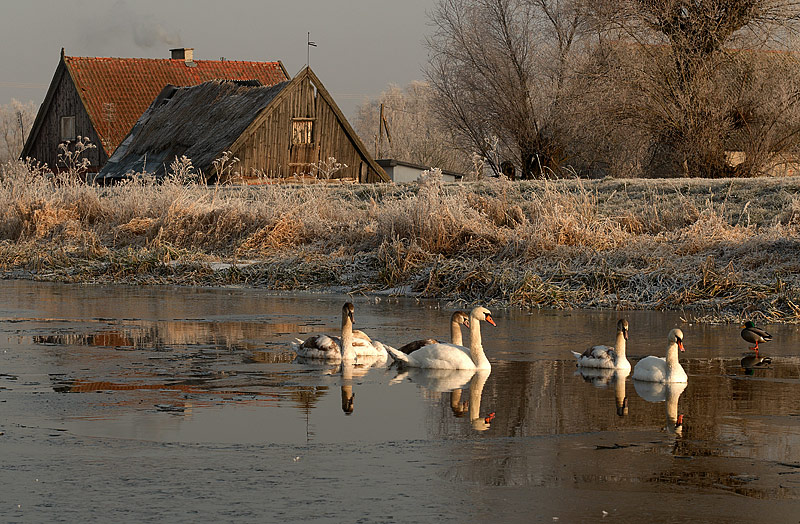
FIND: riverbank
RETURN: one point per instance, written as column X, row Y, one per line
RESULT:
column 719, row 250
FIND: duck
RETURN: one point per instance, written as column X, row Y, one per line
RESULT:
column 451, row 356
column 754, row 335
column 351, row 345
column 456, row 320
column 607, row 357
column 660, row 369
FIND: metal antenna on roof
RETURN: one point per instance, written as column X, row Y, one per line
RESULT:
column 309, row 45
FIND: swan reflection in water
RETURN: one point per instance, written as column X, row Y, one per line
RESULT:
column 604, row 378
column 453, row 381
column 669, row 393
column 352, row 370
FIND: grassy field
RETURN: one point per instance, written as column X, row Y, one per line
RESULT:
column 720, row 250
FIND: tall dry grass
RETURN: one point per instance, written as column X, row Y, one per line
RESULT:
column 723, row 249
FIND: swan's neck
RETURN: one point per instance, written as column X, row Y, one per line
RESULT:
column 475, row 345
column 672, row 356
column 348, row 352
column 455, row 333
column 620, row 346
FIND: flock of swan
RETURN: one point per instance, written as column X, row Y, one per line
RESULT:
column 433, row 354
column 463, row 362
column 426, row 353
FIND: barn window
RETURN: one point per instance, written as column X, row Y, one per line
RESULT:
column 67, row 128
column 302, row 130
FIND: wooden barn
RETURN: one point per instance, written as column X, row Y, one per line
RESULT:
column 102, row 98
column 285, row 131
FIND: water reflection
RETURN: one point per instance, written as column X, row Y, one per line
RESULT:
column 752, row 362
column 603, row 378
column 205, row 368
column 669, row 393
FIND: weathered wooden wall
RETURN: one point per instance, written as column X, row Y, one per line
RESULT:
column 65, row 102
column 266, row 148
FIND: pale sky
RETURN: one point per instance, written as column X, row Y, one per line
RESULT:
column 362, row 45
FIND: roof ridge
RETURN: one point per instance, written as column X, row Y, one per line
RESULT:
column 68, row 57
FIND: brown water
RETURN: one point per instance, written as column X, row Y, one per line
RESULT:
column 141, row 404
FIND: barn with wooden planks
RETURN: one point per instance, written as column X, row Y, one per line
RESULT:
column 101, row 98
column 286, row 132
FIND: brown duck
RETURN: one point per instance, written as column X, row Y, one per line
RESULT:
column 754, row 335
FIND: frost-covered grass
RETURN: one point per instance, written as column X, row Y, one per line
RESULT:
column 723, row 249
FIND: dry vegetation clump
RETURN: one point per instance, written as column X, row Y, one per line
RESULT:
column 721, row 249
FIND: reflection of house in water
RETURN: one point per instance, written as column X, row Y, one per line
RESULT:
column 159, row 336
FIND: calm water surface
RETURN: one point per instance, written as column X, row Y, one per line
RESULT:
column 170, row 404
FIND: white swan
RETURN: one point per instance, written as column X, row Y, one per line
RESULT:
column 349, row 347
column 451, row 356
column 456, row 320
column 660, row 369
column 607, row 357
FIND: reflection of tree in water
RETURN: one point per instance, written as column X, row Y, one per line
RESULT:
column 305, row 398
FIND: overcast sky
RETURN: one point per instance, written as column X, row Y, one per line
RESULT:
column 363, row 45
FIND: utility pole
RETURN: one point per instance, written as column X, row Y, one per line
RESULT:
column 380, row 133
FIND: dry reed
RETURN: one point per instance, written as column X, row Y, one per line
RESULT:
column 719, row 249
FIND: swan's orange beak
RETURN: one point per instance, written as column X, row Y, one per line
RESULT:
column 489, row 418
column 490, row 320
column 680, row 345
column 679, row 422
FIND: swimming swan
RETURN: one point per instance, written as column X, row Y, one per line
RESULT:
column 660, row 369
column 349, row 347
column 607, row 357
column 451, row 356
column 458, row 318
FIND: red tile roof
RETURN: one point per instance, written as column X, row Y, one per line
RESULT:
column 116, row 91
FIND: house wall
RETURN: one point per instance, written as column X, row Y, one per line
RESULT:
column 65, row 102
column 400, row 174
column 266, row 146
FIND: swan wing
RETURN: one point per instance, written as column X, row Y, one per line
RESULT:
column 318, row 346
column 441, row 356
column 597, row 357
column 651, row 369
column 417, row 344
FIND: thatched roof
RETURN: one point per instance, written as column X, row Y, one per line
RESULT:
column 200, row 122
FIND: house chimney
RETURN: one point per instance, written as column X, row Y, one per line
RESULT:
column 183, row 53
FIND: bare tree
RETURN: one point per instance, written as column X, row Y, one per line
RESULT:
column 415, row 133
column 16, row 120
column 689, row 86
column 499, row 69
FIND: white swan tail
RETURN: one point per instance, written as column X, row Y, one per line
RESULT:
column 397, row 356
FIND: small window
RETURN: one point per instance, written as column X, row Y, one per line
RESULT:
column 302, row 130
column 67, row 128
